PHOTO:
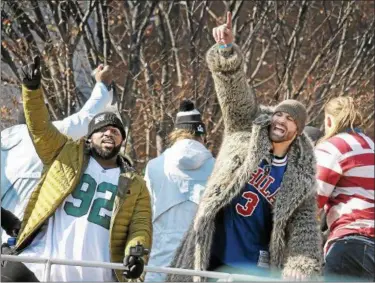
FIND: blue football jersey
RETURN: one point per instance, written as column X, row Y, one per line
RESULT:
column 242, row 237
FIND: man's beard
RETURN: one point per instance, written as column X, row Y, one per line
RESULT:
column 277, row 139
column 103, row 153
column 289, row 136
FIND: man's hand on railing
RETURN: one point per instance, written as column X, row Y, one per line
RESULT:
column 135, row 266
column 134, row 262
column 30, row 74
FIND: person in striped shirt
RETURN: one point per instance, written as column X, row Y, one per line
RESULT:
column 345, row 174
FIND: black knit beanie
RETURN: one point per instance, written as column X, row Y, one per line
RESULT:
column 105, row 119
column 189, row 118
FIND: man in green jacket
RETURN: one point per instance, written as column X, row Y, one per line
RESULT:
column 89, row 205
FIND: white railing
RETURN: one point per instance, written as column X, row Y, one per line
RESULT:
column 222, row 277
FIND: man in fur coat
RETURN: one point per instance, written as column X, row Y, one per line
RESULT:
column 259, row 207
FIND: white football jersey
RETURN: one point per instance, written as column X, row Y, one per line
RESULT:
column 79, row 229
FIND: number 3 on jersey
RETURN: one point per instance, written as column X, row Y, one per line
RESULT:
column 85, row 192
column 249, row 207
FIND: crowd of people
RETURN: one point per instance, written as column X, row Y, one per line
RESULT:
column 281, row 199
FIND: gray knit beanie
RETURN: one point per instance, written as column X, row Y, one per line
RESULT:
column 296, row 110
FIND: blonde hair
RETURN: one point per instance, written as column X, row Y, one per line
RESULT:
column 345, row 114
column 179, row 134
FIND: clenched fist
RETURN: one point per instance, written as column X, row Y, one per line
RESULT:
column 103, row 74
column 223, row 34
column 135, row 266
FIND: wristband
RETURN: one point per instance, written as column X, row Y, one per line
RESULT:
column 222, row 46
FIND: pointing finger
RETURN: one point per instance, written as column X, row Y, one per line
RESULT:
column 229, row 20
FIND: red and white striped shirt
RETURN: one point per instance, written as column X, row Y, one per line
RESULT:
column 345, row 175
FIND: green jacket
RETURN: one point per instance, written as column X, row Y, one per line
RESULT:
column 64, row 163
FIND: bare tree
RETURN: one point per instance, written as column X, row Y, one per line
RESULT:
column 52, row 30
column 306, row 50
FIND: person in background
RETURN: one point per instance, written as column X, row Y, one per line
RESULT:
column 176, row 181
column 313, row 133
column 345, row 174
column 21, row 167
column 89, row 205
column 259, row 207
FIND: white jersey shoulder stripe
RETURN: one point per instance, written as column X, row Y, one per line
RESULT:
column 354, row 153
column 361, row 171
column 353, row 190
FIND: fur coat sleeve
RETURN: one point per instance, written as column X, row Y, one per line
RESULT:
column 237, row 100
column 304, row 241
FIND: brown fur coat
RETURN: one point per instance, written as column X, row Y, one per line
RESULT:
column 295, row 240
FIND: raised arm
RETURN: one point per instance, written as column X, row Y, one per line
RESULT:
column 48, row 141
column 76, row 125
column 225, row 61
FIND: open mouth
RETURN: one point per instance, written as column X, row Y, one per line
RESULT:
column 279, row 130
column 108, row 142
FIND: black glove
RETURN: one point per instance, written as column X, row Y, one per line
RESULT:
column 10, row 223
column 30, row 74
column 135, row 266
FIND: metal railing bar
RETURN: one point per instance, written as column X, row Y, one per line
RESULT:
column 223, row 277
column 188, row 272
column 47, row 271
column 20, row 258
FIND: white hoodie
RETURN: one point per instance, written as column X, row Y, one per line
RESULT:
column 176, row 181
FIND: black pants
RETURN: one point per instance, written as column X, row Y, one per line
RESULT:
column 12, row 271
column 16, row 272
column 351, row 259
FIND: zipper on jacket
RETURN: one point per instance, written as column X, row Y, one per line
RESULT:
column 117, row 205
column 116, row 209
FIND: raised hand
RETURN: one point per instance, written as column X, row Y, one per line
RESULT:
column 30, row 74
column 103, row 74
column 223, row 34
